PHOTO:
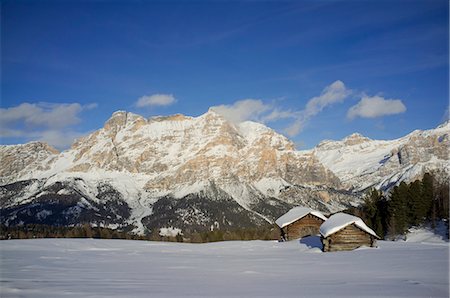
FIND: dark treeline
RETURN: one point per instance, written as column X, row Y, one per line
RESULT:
column 86, row 231
column 407, row 205
column 47, row 231
column 263, row 233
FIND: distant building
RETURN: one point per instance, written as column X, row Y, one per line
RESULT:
column 346, row 232
column 300, row 222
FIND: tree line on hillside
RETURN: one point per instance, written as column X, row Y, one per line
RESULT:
column 408, row 204
column 261, row 233
column 47, row 231
column 31, row 231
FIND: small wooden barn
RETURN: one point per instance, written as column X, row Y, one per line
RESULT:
column 346, row 232
column 300, row 222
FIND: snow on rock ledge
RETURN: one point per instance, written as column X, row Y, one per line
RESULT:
column 339, row 221
column 170, row 232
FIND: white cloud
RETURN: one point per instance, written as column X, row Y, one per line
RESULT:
column 42, row 114
column 334, row 93
column 11, row 133
column 90, row 106
column 295, row 128
column 257, row 110
column 376, row 106
column 446, row 115
column 155, row 100
column 49, row 122
column 251, row 109
column 278, row 114
column 57, row 138
column 242, row 110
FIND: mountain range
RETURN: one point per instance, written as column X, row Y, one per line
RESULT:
column 202, row 173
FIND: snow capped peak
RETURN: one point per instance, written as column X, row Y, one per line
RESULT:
column 118, row 113
column 134, row 117
column 325, row 143
column 19, row 161
column 122, row 118
column 445, row 125
column 212, row 114
column 32, row 146
column 355, row 135
column 252, row 129
column 212, row 111
column 355, row 139
column 363, row 163
column 121, row 114
column 175, row 117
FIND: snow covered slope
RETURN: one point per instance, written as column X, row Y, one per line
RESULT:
column 361, row 163
column 199, row 173
column 120, row 268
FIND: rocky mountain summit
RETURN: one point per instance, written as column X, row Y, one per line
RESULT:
column 197, row 173
column 361, row 163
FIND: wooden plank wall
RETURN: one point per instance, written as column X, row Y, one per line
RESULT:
column 307, row 225
column 349, row 238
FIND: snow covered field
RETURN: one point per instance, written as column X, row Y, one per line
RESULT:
column 106, row 268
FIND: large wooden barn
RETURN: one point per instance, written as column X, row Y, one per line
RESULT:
column 346, row 232
column 300, row 222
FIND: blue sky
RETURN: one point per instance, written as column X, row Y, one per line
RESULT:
column 311, row 70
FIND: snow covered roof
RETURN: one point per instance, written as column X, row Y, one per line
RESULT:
column 295, row 214
column 339, row 221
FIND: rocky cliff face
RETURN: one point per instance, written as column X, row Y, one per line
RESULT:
column 361, row 163
column 17, row 161
column 196, row 173
column 182, row 151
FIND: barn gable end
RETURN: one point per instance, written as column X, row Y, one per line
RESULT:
column 300, row 222
column 346, row 232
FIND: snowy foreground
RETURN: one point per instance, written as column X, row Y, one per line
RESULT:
column 105, row 268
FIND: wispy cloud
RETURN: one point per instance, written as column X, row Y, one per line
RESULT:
column 242, row 110
column 376, row 106
column 277, row 114
column 332, row 94
column 58, row 138
column 42, row 114
column 49, row 122
column 446, row 115
column 259, row 111
column 155, row 100
column 252, row 109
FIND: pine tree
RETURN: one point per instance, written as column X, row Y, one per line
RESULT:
column 416, row 210
column 442, row 198
column 374, row 212
column 88, row 230
column 370, row 207
column 397, row 210
column 427, row 197
column 380, row 219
